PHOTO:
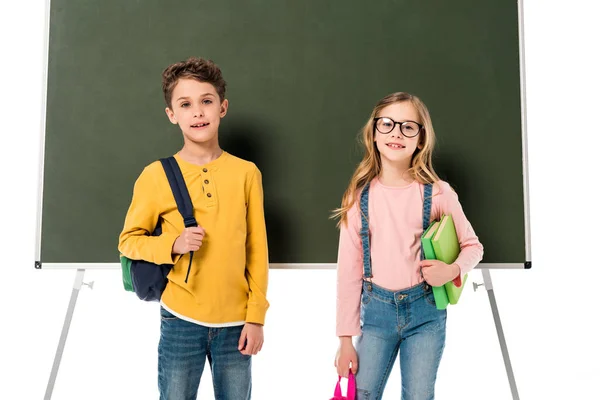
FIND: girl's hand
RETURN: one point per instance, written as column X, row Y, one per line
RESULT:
column 251, row 339
column 437, row 273
column 346, row 356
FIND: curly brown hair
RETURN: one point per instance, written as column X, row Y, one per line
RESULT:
column 196, row 68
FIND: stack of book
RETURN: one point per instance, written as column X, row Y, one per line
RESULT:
column 440, row 242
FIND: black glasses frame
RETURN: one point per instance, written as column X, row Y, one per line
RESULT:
column 397, row 123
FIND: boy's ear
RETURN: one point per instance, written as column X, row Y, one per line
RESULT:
column 224, row 107
column 171, row 116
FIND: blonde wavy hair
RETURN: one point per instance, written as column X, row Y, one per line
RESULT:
column 421, row 168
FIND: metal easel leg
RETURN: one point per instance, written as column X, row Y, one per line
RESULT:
column 65, row 331
column 487, row 279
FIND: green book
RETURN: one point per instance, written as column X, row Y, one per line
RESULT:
column 446, row 247
column 439, row 292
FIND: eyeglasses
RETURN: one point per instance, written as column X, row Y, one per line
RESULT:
column 385, row 125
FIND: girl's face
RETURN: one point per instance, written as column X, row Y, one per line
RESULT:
column 394, row 147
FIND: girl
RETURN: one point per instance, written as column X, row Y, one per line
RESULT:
column 384, row 291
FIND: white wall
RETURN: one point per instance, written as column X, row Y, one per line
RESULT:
column 548, row 312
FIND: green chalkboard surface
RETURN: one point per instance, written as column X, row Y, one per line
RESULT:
column 302, row 79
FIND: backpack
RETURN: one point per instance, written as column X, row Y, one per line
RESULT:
column 148, row 280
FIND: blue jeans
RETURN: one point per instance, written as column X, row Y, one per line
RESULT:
column 182, row 352
column 405, row 321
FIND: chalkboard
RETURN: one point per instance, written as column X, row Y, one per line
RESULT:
column 302, row 79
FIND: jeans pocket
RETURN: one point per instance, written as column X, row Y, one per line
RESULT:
column 365, row 297
column 166, row 315
column 430, row 297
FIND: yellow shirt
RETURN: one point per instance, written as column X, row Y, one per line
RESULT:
column 229, row 274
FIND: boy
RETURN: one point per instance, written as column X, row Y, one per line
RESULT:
column 219, row 312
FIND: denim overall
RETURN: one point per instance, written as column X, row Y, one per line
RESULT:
column 405, row 321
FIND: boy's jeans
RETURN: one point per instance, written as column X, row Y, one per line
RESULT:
column 405, row 321
column 182, row 351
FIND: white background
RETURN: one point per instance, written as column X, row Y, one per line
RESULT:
column 548, row 312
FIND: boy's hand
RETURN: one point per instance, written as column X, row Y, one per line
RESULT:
column 346, row 355
column 251, row 339
column 189, row 240
column 437, row 273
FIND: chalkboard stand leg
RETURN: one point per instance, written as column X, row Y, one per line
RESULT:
column 487, row 279
column 65, row 331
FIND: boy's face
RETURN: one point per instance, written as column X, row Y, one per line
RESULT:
column 197, row 109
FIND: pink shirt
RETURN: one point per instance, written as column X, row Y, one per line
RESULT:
column 396, row 226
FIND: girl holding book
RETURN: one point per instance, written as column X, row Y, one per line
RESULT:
column 384, row 294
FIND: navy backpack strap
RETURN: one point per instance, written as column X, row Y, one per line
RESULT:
column 180, row 192
column 364, row 232
column 182, row 197
column 427, row 191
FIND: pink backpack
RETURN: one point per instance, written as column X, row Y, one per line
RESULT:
column 350, row 393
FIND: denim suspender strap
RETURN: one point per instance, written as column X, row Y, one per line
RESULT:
column 364, row 232
column 364, row 229
column 427, row 190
